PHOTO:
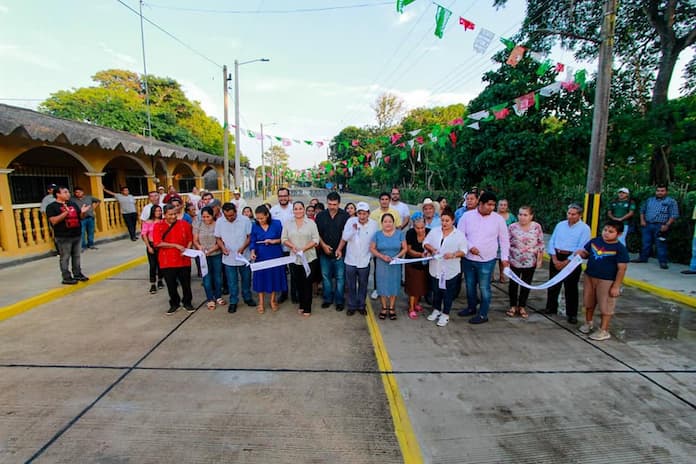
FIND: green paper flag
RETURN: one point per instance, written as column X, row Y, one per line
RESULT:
column 403, row 155
column 509, row 44
column 543, row 67
column 442, row 15
column 251, row 134
column 361, row 158
column 436, row 130
column 279, row 139
column 370, row 141
column 536, row 101
column 580, row 77
column 400, row 4
column 308, row 142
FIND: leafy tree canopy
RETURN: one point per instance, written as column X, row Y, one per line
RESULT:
column 118, row 101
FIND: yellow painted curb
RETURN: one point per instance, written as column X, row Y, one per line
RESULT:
column 663, row 292
column 410, row 450
column 22, row 306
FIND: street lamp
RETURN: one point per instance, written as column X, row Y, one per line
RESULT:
column 237, row 152
column 263, row 165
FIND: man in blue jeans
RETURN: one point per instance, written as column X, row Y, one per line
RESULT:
column 485, row 231
column 330, row 224
column 657, row 214
column 232, row 233
column 87, row 222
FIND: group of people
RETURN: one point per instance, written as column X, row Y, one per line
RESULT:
column 435, row 249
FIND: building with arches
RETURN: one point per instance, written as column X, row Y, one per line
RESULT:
column 37, row 150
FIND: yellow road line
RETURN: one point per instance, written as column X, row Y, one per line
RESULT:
column 30, row 303
column 410, row 450
column 663, row 292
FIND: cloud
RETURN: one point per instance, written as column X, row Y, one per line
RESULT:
column 15, row 52
column 194, row 92
column 4, row 9
column 122, row 58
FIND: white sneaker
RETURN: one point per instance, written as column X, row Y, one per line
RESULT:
column 600, row 335
column 434, row 315
column 443, row 320
column 586, row 328
column 374, row 295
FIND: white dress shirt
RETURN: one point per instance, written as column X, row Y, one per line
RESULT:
column 358, row 242
column 455, row 241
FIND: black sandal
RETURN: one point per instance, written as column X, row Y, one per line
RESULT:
column 392, row 314
column 383, row 313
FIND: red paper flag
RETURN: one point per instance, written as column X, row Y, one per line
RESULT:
column 457, row 122
column 468, row 25
column 395, row 138
column 453, row 138
column 286, row 142
column 386, row 159
column 516, row 55
column 355, row 143
column 502, row 114
column 525, row 101
column 420, row 139
column 570, row 86
column 560, row 67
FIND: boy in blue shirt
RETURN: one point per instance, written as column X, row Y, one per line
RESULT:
column 607, row 260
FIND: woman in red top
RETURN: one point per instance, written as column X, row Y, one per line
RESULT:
column 146, row 234
column 171, row 237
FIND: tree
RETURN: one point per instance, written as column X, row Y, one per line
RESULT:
column 650, row 36
column 276, row 160
column 118, row 102
column 388, row 109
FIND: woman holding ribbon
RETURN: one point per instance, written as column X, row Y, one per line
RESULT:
column 526, row 255
column 301, row 236
column 204, row 240
column 387, row 244
column 264, row 243
column 448, row 246
column 416, row 273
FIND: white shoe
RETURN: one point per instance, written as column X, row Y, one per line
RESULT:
column 374, row 295
column 600, row 335
column 443, row 320
column 586, row 328
column 434, row 315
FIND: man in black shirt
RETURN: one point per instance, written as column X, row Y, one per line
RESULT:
column 330, row 223
column 64, row 215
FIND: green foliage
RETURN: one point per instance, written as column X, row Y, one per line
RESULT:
column 118, row 101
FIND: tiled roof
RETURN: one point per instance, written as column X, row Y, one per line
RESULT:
column 22, row 122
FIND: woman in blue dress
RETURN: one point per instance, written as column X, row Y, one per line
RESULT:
column 387, row 244
column 264, row 243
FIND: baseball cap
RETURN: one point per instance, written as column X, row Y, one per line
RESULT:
column 624, row 190
column 362, row 206
column 236, row 191
column 52, row 186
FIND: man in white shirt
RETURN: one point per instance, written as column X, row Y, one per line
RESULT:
column 195, row 197
column 232, row 233
column 357, row 235
column 283, row 212
column 238, row 201
column 400, row 207
column 147, row 209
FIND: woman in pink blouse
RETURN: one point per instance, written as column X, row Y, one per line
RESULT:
column 526, row 255
column 147, row 228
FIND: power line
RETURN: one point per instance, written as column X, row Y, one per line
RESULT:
column 181, row 42
column 263, row 12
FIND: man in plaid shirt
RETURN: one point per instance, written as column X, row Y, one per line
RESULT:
column 657, row 214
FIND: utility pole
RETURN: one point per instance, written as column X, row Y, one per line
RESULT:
column 226, row 137
column 237, row 152
column 600, row 117
column 263, row 167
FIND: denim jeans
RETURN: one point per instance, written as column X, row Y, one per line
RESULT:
column 443, row 298
column 332, row 268
column 478, row 274
column 212, row 282
column 232, row 275
column 356, row 281
column 649, row 235
column 87, row 232
column 624, row 234
column 692, row 266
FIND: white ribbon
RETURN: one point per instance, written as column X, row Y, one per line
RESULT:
column 240, row 257
column 277, row 262
column 409, row 260
column 191, row 253
column 575, row 261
